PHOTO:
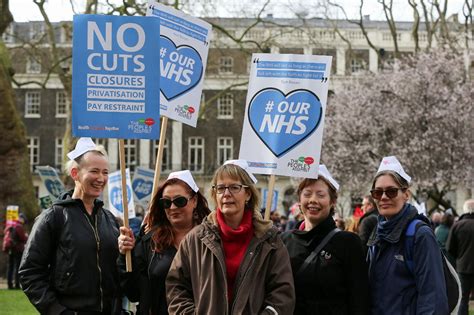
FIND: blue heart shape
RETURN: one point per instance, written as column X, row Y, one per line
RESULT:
column 180, row 68
column 116, row 197
column 282, row 121
column 54, row 187
column 142, row 188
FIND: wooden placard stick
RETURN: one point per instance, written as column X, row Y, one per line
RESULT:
column 128, row 254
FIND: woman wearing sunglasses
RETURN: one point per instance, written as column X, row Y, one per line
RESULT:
column 400, row 284
column 328, row 264
column 178, row 206
column 233, row 263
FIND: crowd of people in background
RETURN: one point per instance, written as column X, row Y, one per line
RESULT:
column 190, row 259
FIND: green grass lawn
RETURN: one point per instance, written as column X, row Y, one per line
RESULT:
column 15, row 302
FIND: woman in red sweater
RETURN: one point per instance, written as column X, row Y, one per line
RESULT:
column 234, row 262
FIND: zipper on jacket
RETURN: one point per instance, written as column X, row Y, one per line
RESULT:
column 97, row 240
column 253, row 254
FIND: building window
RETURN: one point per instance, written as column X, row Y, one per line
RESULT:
column 225, row 149
column 225, row 106
column 32, row 104
column 388, row 36
column 131, row 153
column 8, row 36
column 226, row 65
column 101, row 141
column 61, row 104
column 34, row 151
column 355, row 35
column 357, row 65
column 33, row 66
column 196, row 154
column 165, row 159
column 37, row 31
column 58, row 153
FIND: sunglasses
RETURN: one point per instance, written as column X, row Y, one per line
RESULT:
column 234, row 188
column 179, row 202
column 389, row 192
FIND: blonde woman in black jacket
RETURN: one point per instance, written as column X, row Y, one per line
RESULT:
column 69, row 264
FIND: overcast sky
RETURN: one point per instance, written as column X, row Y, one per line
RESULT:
column 60, row 10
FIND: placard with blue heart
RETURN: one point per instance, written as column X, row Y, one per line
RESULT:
column 116, row 197
column 180, row 68
column 284, row 115
column 184, row 47
column 51, row 181
column 284, row 121
column 115, row 194
column 142, row 184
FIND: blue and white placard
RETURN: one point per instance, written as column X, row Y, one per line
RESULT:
column 115, row 194
column 273, row 207
column 142, row 185
column 116, row 77
column 284, row 116
column 184, row 46
column 51, row 181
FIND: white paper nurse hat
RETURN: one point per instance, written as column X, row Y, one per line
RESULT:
column 245, row 165
column 83, row 145
column 186, row 177
column 390, row 163
column 324, row 172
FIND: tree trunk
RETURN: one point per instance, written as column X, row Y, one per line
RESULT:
column 16, row 186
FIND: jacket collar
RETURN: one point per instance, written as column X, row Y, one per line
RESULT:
column 398, row 230
column 260, row 226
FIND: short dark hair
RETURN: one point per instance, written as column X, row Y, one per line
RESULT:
column 371, row 201
column 310, row 181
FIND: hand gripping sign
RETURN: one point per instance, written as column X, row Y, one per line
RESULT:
column 284, row 115
column 184, row 45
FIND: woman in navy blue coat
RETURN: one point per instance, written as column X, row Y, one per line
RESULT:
column 396, row 287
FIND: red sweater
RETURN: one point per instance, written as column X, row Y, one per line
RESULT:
column 235, row 244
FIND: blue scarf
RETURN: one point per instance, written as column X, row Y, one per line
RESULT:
column 385, row 227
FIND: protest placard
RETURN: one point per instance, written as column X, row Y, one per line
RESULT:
column 284, row 116
column 116, row 77
column 274, row 204
column 13, row 213
column 115, row 194
column 142, row 185
column 184, row 46
column 51, row 181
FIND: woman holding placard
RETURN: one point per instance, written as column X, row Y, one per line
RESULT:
column 406, row 266
column 177, row 207
column 69, row 265
column 328, row 264
column 234, row 262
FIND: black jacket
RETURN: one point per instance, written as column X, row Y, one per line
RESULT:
column 146, row 283
column 70, row 259
column 367, row 223
column 460, row 243
column 336, row 283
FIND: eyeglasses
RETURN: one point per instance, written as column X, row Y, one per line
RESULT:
column 389, row 192
column 234, row 188
column 179, row 202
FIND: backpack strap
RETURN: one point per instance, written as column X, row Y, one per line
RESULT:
column 316, row 251
column 410, row 243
